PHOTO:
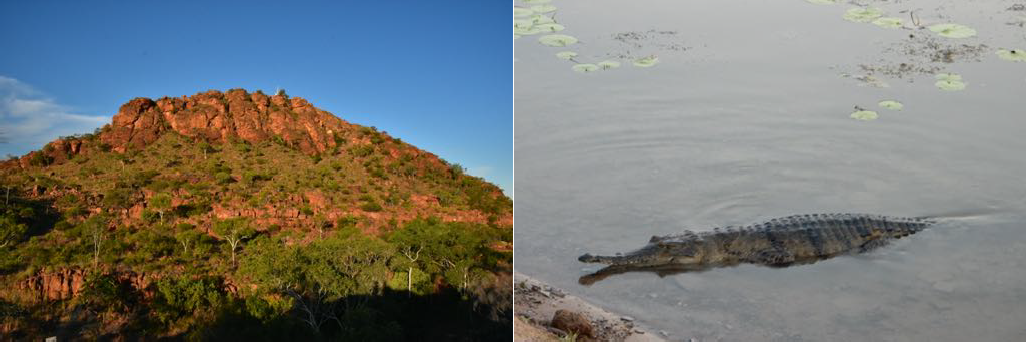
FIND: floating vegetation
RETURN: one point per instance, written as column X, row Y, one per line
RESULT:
column 930, row 49
column 525, row 32
column 891, row 104
column 864, row 115
column 662, row 40
column 543, row 8
column 867, row 80
column 888, row 22
column 823, row 2
column 585, row 67
column 559, row 40
column 522, row 24
column 953, row 30
column 949, row 82
column 567, row 55
column 549, row 27
column 539, row 19
column 1014, row 55
column 521, row 12
column 645, row 62
column 608, row 64
column 863, row 15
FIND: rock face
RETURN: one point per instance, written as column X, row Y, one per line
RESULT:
column 66, row 283
column 217, row 117
column 57, row 285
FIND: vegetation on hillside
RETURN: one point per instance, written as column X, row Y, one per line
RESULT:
column 199, row 241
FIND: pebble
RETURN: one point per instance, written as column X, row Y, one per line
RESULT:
column 627, row 319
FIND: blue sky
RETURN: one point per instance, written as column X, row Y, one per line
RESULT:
column 435, row 74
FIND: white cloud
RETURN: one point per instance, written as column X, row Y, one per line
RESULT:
column 29, row 119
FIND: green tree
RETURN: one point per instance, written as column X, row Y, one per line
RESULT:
column 187, row 236
column 162, row 203
column 103, row 292
column 124, row 160
column 205, row 148
column 11, row 231
column 118, row 198
column 409, row 243
column 182, row 296
column 455, row 248
column 96, row 229
column 326, row 279
column 234, row 231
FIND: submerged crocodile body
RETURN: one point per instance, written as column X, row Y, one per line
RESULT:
column 780, row 242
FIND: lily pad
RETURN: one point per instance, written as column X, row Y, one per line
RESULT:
column 863, row 15
column 645, row 62
column 948, row 77
column 891, row 104
column 521, row 12
column 549, row 27
column 950, row 85
column 888, row 22
column 526, row 32
column 559, row 40
column 539, row 19
column 953, row 30
column 522, row 24
column 864, row 115
column 823, row 2
column 949, row 82
column 1014, row 55
column 543, row 8
column 586, row 67
column 605, row 65
column 567, row 55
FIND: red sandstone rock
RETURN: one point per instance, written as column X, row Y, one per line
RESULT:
column 217, row 116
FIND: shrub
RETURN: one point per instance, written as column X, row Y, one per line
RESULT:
column 362, row 150
column 40, row 159
column 223, row 178
column 177, row 297
column 105, row 292
column 371, row 207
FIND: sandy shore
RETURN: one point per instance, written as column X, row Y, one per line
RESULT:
column 535, row 303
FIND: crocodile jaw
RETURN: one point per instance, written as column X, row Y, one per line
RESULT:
column 645, row 257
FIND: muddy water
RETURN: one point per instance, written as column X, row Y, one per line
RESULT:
column 744, row 119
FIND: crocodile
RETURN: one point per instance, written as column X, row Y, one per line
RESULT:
column 780, row 242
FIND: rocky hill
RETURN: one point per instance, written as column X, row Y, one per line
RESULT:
column 195, row 130
column 184, row 188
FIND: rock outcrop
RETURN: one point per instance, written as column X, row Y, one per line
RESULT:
column 66, row 283
column 217, row 117
column 211, row 116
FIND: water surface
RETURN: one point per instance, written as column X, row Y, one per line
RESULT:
column 750, row 122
